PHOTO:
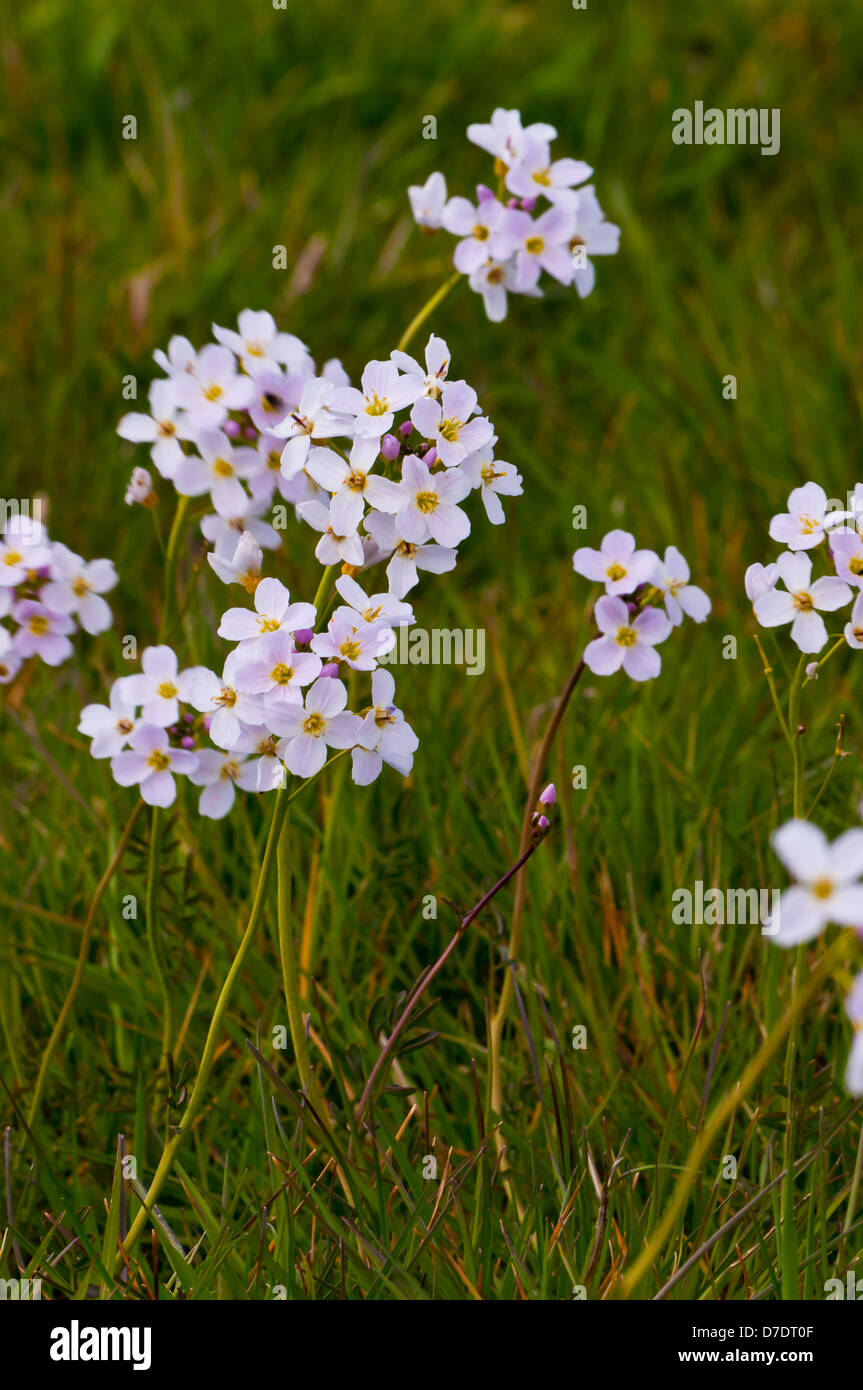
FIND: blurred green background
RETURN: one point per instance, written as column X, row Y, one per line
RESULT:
column 303, row 127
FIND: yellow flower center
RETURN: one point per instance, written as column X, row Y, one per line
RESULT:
column 626, row 636
column 230, row 771
column 314, row 725
column 480, row 232
column 822, row 888
column 227, row 699
column 803, row 603
column 350, row 649
column 534, row 245
column 213, row 392
column 158, row 760
column 166, row 429
column 274, row 461
column 495, row 275
column 356, row 481
column 250, row 581
column 223, row 469
column 268, row 624
column 282, row 674
column 449, row 429
column 12, row 557
column 541, row 176
column 167, row 690
column 376, row 406
column 427, row 501
column 855, row 564
column 124, row 726
column 406, row 549
column 80, row 587
column 615, row 572
column 38, row 624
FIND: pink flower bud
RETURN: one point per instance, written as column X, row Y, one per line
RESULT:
column 430, row 457
column 251, row 432
column 405, row 429
column 329, row 670
column 187, row 742
column 303, row 636
column 231, row 428
column 484, row 194
column 549, row 796
column 543, row 823
column 528, row 204
column 390, row 447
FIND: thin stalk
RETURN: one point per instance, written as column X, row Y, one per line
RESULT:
column 172, row 557
column 425, row 979
column 196, row 1099
column 155, row 942
column 723, row 1113
column 83, row 950
column 499, row 1018
column 428, row 309
column 768, row 671
column 290, row 978
column 793, row 726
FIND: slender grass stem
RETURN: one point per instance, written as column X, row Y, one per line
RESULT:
column 155, row 942
column 724, row 1111
column 172, row 557
column 83, row 950
column 428, row 309
column 506, row 995
column 290, row 978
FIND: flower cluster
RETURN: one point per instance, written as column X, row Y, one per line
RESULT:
column 785, row 591
column 506, row 242
column 828, row 888
column 630, row 627
column 379, row 471
column 46, row 593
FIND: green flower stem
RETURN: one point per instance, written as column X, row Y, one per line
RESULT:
column 288, row 956
column 724, row 1112
column 196, row 1099
column 428, row 309
column 172, row 556
column 155, row 942
column 83, row 950
column 793, row 725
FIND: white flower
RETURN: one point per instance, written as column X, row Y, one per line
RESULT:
column 535, row 174
column 428, row 201
column 759, row 579
column 357, row 645
column 854, row 1010
column 426, row 382
column 140, row 488
column 244, row 566
column 10, row 661
column 493, row 280
column 592, row 235
column 482, row 230
column 827, row 887
column 505, row 138
column 217, row 471
column 617, row 563
column 213, row 388
column 221, row 697
column 854, row 629
column 494, row 478
column 333, row 546
column 798, row 605
column 152, row 762
column 42, row 632
column 309, row 729
column 452, row 423
column 109, row 726
column 276, row 672
column 219, row 774
column 163, row 428
column 429, row 508
column 385, row 737
column 371, row 408
column 224, row 531
column 807, row 520
column 407, row 557
column 378, row 608
column 626, row 641
column 273, row 612
column 541, row 243
column 671, row 575
column 314, row 417
column 353, row 484
column 21, row 555
column 77, row 586
column 261, row 347
column 159, row 686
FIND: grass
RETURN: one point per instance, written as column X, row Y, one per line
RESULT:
column 258, row 128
